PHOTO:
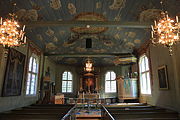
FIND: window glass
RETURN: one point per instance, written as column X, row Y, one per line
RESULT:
column 34, row 66
column 30, row 64
column 107, row 76
column 110, row 82
column 144, row 75
column 113, row 76
column 32, row 77
column 107, row 86
column 67, row 82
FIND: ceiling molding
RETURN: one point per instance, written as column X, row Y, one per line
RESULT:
column 85, row 23
column 92, row 55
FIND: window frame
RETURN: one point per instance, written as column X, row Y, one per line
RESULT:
column 111, row 80
column 31, row 72
column 67, row 82
column 146, row 72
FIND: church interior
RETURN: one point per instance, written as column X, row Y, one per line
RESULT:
column 89, row 59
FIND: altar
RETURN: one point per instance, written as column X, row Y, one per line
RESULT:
column 88, row 86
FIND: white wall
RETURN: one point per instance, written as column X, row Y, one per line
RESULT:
column 169, row 98
column 76, row 79
column 118, row 70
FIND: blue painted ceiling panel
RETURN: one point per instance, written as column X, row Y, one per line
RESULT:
column 63, row 40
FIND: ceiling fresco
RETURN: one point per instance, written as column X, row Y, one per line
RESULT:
column 89, row 17
column 68, row 39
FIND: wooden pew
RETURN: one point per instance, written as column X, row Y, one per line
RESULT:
column 136, row 110
column 145, row 115
column 30, row 116
column 142, row 112
column 37, row 112
column 132, row 107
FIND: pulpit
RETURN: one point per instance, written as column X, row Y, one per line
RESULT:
column 127, row 88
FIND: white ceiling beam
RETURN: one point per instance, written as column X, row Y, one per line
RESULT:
column 85, row 23
column 92, row 55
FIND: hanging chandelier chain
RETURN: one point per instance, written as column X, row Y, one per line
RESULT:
column 161, row 2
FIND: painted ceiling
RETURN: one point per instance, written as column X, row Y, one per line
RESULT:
column 59, row 40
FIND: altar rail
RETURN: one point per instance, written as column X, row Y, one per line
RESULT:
column 106, row 115
column 71, row 115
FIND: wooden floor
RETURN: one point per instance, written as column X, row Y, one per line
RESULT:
column 37, row 112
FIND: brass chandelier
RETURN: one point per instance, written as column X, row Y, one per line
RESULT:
column 88, row 65
column 165, row 31
column 11, row 33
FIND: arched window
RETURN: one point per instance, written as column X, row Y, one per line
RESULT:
column 67, row 82
column 110, row 82
column 144, row 75
column 32, row 76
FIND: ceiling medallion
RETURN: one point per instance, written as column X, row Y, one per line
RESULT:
column 87, row 29
column 165, row 31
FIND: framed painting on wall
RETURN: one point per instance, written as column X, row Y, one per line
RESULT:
column 14, row 73
column 163, row 79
